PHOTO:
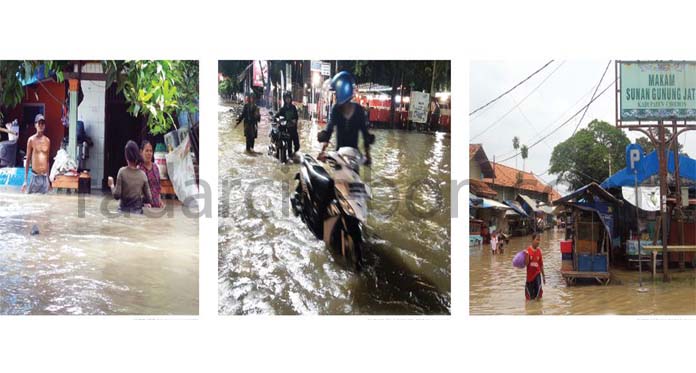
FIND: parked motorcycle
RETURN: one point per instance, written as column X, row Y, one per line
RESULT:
column 280, row 139
column 334, row 206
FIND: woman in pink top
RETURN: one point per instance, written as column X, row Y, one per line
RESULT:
column 152, row 172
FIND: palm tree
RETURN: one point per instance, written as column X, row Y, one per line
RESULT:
column 524, row 151
column 516, row 145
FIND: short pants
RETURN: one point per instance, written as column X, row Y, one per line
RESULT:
column 38, row 184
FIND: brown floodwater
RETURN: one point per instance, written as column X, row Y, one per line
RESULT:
column 497, row 288
column 90, row 260
column 270, row 263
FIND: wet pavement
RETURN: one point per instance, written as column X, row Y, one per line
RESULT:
column 270, row 263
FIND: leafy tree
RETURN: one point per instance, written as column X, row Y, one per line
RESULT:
column 11, row 91
column 524, row 151
column 156, row 89
column 584, row 157
column 515, row 145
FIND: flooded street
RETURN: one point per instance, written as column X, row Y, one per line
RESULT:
column 497, row 288
column 270, row 263
column 95, row 264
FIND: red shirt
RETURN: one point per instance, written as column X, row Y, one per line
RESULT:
column 535, row 263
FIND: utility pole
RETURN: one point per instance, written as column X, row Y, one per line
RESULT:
column 662, row 155
column 432, row 79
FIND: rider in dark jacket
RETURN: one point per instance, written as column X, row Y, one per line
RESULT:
column 289, row 112
column 348, row 118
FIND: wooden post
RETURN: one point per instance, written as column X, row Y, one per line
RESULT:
column 74, row 85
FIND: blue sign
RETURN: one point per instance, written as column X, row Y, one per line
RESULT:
column 634, row 153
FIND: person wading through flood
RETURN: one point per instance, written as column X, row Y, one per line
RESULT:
column 289, row 112
column 347, row 117
column 38, row 148
column 535, row 270
column 152, row 172
column 251, row 117
column 131, row 186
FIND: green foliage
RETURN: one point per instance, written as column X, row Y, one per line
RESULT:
column 156, row 89
column 515, row 143
column 227, row 87
column 11, row 91
column 584, row 157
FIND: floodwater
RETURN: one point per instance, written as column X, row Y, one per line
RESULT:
column 497, row 288
column 88, row 262
column 270, row 263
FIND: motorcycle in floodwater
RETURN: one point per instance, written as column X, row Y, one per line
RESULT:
column 334, row 207
column 280, row 139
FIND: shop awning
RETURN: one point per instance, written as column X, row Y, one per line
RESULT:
column 486, row 203
column 529, row 202
column 516, row 207
column 593, row 188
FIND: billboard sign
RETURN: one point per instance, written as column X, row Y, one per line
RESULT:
column 260, row 73
column 653, row 91
column 418, row 107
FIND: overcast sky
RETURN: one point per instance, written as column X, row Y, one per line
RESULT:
column 569, row 87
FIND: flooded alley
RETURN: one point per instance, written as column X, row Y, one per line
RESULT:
column 89, row 259
column 497, row 288
column 269, row 261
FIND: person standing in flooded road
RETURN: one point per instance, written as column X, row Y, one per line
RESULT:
column 535, row 270
column 251, row 117
column 289, row 112
column 38, row 148
column 152, row 172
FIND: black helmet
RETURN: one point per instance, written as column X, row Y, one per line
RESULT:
column 287, row 94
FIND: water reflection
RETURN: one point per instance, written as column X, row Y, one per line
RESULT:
column 497, row 288
column 269, row 262
column 96, row 264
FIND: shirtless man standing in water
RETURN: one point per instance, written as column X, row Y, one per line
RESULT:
column 38, row 148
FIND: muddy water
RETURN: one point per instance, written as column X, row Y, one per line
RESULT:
column 497, row 288
column 269, row 262
column 86, row 260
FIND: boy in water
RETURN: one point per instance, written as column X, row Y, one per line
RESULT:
column 535, row 270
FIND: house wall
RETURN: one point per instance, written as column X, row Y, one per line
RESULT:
column 92, row 112
column 474, row 170
column 52, row 95
column 511, row 193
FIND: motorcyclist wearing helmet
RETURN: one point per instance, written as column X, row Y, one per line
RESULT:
column 251, row 116
column 348, row 118
column 289, row 112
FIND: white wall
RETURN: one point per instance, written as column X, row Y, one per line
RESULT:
column 92, row 112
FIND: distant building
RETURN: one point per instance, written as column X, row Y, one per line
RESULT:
column 509, row 182
column 479, row 168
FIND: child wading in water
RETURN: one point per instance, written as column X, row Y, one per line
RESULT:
column 131, row 187
column 535, row 270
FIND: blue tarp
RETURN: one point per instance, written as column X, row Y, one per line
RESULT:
column 649, row 166
column 516, row 207
column 38, row 75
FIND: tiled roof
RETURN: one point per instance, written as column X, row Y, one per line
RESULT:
column 481, row 189
column 507, row 177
